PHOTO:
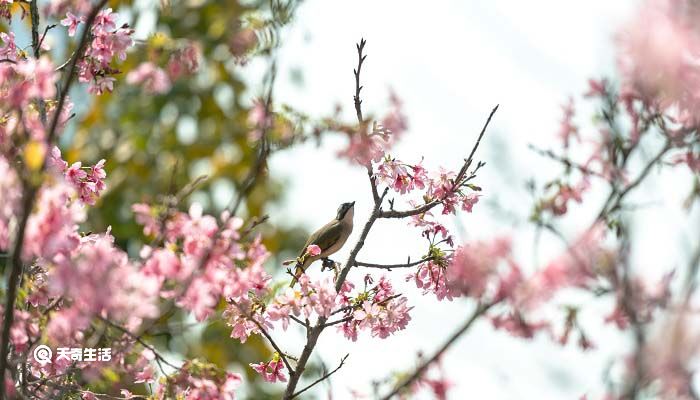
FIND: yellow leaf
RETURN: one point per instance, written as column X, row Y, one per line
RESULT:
column 34, row 153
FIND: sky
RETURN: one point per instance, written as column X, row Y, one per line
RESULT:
column 450, row 62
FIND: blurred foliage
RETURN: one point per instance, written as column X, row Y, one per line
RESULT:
column 157, row 144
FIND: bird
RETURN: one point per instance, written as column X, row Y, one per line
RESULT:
column 329, row 238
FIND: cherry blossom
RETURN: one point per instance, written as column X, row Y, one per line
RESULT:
column 153, row 79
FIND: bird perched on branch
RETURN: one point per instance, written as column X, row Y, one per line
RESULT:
column 329, row 239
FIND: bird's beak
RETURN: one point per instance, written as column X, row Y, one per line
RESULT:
column 352, row 204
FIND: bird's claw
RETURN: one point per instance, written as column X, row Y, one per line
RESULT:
column 327, row 264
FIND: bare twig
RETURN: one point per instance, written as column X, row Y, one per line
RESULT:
column 140, row 340
column 389, row 267
column 565, row 161
column 360, row 59
column 323, row 378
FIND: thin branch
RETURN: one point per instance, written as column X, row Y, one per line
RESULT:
column 46, row 30
column 300, row 322
column 140, row 340
column 336, row 322
column 418, row 373
column 617, row 200
column 360, row 119
column 567, row 162
column 323, row 378
column 389, row 267
column 269, row 338
column 360, row 59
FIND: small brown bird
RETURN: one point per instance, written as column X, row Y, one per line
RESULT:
column 329, row 238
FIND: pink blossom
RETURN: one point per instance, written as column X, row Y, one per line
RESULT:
column 53, row 230
column 658, row 50
column 153, row 78
column 691, row 159
column 395, row 121
column 469, row 201
column 101, row 84
column 238, row 316
column 567, row 127
column 474, row 266
column 184, row 61
column 313, row 250
column 271, row 371
column 242, row 42
column 368, row 147
column 72, row 22
column 146, row 216
column 516, row 324
column 402, row 177
column 199, row 380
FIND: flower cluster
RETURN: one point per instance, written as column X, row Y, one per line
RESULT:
column 205, row 254
column 183, row 61
column 153, row 79
column 107, row 44
column 370, row 147
column 199, row 380
column 378, row 309
column 88, row 182
column 271, row 371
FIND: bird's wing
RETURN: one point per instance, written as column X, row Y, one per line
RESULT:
column 325, row 237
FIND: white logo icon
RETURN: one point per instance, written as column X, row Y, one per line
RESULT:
column 43, row 354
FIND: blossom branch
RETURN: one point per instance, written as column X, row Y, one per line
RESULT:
column 616, row 198
column 460, row 180
column 29, row 196
column 314, row 333
column 480, row 310
column 84, row 38
column 246, row 187
column 323, row 378
column 360, row 119
column 269, row 338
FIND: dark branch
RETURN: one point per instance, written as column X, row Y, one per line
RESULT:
column 389, row 267
column 360, row 59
